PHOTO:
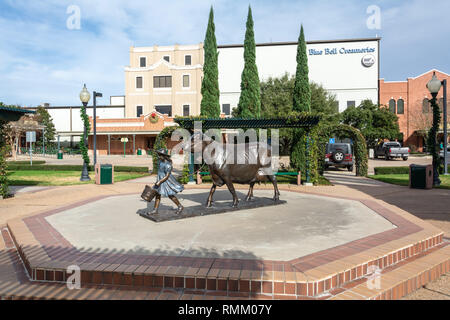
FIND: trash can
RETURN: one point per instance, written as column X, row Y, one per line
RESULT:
column 139, row 152
column 60, row 154
column 104, row 173
column 420, row 176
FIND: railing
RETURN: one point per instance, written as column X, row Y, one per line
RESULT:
column 49, row 151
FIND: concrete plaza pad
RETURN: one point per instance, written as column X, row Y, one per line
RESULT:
column 304, row 225
column 314, row 245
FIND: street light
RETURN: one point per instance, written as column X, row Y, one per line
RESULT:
column 434, row 85
column 85, row 96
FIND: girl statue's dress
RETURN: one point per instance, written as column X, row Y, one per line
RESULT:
column 166, row 184
column 171, row 186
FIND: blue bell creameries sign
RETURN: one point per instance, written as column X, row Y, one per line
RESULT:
column 336, row 51
column 367, row 60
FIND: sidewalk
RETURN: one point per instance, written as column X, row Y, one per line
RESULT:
column 430, row 205
column 31, row 203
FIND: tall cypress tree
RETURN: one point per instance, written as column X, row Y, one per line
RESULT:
column 302, row 91
column 250, row 99
column 301, row 103
column 210, row 106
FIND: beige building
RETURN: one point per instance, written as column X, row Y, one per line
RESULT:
column 165, row 79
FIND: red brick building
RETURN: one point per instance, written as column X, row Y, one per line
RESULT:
column 410, row 100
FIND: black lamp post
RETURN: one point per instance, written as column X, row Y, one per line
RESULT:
column 85, row 96
column 434, row 85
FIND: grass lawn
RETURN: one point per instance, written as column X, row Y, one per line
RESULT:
column 403, row 179
column 60, row 178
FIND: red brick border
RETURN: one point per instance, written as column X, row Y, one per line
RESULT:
column 276, row 278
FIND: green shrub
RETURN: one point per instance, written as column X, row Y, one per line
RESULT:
column 391, row 170
column 4, row 188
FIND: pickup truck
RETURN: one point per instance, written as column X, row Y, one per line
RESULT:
column 390, row 150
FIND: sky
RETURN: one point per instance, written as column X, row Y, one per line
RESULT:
column 45, row 56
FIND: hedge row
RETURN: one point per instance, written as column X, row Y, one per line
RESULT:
column 21, row 167
column 401, row 170
column 391, row 170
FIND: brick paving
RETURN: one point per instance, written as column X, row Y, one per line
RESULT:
column 322, row 275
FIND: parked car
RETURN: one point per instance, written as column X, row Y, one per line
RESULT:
column 390, row 150
column 339, row 155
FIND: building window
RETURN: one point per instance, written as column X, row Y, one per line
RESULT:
column 167, row 58
column 143, row 62
column 186, row 110
column 392, row 105
column 187, row 60
column 162, row 81
column 351, row 103
column 400, row 106
column 186, row 81
column 164, row 110
column 139, row 83
column 138, row 111
column 425, row 105
column 226, row 109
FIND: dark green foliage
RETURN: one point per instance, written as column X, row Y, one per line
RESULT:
column 432, row 141
column 301, row 103
column 391, row 170
column 249, row 105
column 84, row 136
column 4, row 188
column 210, row 106
column 44, row 118
column 302, row 91
column 277, row 101
column 160, row 143
column 374, row 122
column 184, row 178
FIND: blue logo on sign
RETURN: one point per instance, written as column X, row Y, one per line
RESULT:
column 332, row 140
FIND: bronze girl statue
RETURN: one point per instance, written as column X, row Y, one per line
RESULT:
column 165, row 185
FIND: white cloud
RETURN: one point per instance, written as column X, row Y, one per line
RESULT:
column 42, row 61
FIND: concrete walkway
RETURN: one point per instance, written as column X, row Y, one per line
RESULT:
column 430, row 205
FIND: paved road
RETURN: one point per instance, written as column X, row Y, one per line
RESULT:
column 431, row 205
column 397, row 162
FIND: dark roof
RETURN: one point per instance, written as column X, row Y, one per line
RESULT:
column 238, row 123
column 16, row 109
column 12, row 113
column 287, row 43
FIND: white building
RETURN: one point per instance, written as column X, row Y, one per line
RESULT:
column 347, row 68
column 68, row 123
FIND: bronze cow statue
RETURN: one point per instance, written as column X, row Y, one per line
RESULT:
column 246, row 163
